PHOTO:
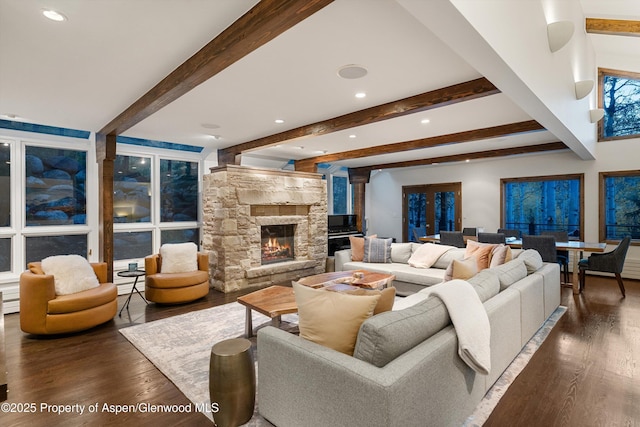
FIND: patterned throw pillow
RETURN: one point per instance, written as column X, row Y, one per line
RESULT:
column 357, row 247
column 377, row 250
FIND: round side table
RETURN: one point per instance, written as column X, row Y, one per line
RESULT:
column 136, row 274
column 232, row 382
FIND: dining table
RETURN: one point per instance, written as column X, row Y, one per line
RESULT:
column 575, row 246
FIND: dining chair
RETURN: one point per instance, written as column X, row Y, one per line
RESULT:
column 416, row 238
column 546, row 246
column 563, row 256
column 510, row 233
column 491, row 238
column 452, row 238
column 469, row 231
column 608, row 262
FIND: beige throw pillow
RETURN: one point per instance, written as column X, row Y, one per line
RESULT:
column 500, row 255
column 332, row 319
column 385, row 303
column 461, row 269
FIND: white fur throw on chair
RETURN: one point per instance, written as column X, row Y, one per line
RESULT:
column 179, row 257
column 71, row 273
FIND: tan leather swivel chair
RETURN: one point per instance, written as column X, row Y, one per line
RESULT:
column 42, row 312
column 168, row 288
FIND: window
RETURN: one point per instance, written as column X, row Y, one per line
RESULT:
column 55, row 186
column 155, row 202
column 132, row 189
column 178, row 191
column 552, row 203
column 5, row 254
column 340, row 197
column 5, row 184
column 619, row 96
column 619, row 205
column 40, row 247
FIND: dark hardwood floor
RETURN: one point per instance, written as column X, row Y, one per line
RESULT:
column 585, row 374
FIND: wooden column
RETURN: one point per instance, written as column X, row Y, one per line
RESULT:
column 105, row 156
column 359, row 178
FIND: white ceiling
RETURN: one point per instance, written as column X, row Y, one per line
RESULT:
column 84, row 72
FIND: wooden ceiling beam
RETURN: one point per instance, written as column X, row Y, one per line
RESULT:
column 426, row 101
column 613, row 27
column 310, row 164
column 264, row 22
column 502, row 152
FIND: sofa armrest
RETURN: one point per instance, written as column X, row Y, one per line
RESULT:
column 151, row 264
column 303, row 383
column 341, row 257
column 100, row 268
column 203, row 261
column 36, row 290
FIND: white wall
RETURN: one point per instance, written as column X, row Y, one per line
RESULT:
column 481, row 185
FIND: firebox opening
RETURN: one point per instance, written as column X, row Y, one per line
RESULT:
column 276, row 243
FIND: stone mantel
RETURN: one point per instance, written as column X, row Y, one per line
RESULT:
column 238, row 200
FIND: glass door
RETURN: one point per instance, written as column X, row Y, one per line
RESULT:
column 428, row 209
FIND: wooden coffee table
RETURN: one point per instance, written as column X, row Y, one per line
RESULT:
column 273, row 302
column 367, row 279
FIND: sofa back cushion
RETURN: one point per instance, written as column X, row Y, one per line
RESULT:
column 401, row 252
column 510, row 272
column 386, row 336
column 486, row 284
column 532, row 260
column 446, row 258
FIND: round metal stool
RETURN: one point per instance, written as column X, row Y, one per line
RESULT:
column 232, row 382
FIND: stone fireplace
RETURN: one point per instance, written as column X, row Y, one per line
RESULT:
column 263, row 226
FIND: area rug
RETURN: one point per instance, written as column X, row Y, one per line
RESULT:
column 180, row 347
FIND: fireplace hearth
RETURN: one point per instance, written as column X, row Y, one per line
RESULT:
column 277, row 243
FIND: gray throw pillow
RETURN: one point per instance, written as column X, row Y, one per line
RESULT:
column 377, row 250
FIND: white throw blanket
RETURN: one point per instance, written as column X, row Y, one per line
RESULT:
column 470, row 321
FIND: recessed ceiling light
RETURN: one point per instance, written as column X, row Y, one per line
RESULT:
column 352, row 71
column 352, row 136
column 279, row 121
column 361, row 95
column 10, row 116
column 320, row 152
column 467, row 161
column 425, row 121
column 54, row 15
column 299, row 147
column 216, row 137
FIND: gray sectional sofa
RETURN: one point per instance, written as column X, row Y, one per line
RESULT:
column 405, row 370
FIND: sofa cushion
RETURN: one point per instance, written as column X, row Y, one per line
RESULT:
column 386, row 336
column 401, row 252
column 375, row 267
column 446, row 258
column 426, row 255
column 71, row 273
column 532, row 260
column 510, row 272
column 332, row 319
column 419, row 276
column 176, row 280
column 357, row 247
column 461, row 269
column 480, row 251
column 377, row 250
column 500, row 254
column 486, row 284
column 179, row 257
column 385, row 303
column 85, row 300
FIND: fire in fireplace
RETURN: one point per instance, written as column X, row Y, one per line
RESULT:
column 277, row 243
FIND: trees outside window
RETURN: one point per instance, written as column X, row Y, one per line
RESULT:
column 537, row 204
column 619, row 205
column 619, row 96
